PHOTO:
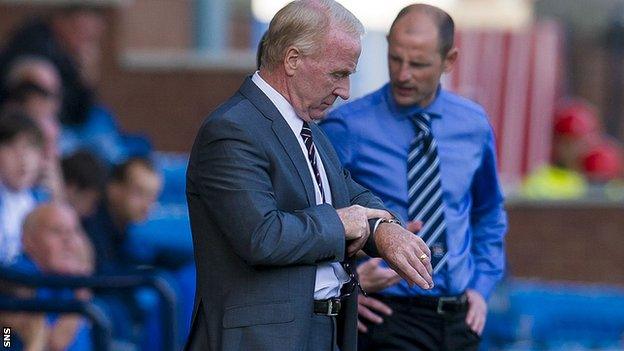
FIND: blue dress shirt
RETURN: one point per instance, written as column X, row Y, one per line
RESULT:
column 372, row 137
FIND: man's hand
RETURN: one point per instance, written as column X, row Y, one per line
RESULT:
column 406, row 253
column 374, row 278
column 355, row 221
column 477, row 311
column 366, row 306
column 414, row 226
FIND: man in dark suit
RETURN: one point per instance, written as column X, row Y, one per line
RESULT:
column 275, row 218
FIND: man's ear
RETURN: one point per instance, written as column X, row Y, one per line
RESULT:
column 450, row 59
column 292, row 60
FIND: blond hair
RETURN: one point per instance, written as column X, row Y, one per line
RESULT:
column 304, row 24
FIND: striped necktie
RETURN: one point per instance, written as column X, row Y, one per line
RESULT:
column 425, row 190
column 306, row 135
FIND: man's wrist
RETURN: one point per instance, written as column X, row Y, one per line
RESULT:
column 375, row 222
column 371, row 245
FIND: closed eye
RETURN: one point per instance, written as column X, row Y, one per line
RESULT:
column 340, row 74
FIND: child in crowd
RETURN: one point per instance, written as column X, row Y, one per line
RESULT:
column 34, row 86
column 21, row 159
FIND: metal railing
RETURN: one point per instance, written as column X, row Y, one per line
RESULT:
column 101, row 325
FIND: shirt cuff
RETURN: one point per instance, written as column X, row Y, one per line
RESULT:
column 483, row 284
column 370, row 247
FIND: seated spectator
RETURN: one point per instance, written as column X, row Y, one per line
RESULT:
column 21, row 155
column 85, row 176
column 53, row 243
column 132, row 189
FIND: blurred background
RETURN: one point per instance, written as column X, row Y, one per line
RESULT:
column 137, row 77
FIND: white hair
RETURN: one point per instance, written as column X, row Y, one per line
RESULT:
column 303, row 24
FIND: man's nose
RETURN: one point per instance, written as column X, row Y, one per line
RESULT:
column 344, row 88
column 404, row 73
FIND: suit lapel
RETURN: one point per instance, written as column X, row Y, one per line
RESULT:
column 291, row 146
column 283, row 133
column 333, row 175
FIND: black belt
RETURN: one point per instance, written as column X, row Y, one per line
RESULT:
column 441, row 305
column 329, row 307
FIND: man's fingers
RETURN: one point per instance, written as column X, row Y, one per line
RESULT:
column 369, row 266
column 470, row 317
column 352, row 249
column 420, row 267
column 356, row 245
column 477, row 311
column 477, row 326
column 409, row 273
column 480, row 323
column 390, row 277
column 387, row 273
column 475, row 319
column 374, row 213
column 362, row 327
column 376, row 305
column 424, row 249
column 414, row 226
column 395, row 279
column 369, row 315
column 429, row 267
column 481, row 326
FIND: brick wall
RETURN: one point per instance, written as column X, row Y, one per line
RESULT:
column 167, row 105
column 575, row 242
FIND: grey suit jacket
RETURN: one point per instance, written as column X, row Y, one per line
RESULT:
column 257, row 231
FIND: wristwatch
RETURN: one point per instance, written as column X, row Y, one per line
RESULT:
column 375, row 222
column 370, row 247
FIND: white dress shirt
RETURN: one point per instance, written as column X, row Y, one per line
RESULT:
column 329, row 276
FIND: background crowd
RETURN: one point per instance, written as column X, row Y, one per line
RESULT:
column 71, row 185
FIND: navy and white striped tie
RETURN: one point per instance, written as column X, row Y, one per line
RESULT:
column 306, row 135
column 425, row 190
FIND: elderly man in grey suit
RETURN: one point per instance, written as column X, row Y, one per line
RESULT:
column 275, row 218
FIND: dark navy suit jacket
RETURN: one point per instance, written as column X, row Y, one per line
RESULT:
column 258, row 234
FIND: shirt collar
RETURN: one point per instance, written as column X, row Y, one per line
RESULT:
column 5, row 191
column 434, row 109
column 280, row 102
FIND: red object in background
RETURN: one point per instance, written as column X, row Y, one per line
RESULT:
column 516, row 76
column 603, row 161
column 576, row 119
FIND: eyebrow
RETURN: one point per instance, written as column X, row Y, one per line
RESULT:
column 345, row 72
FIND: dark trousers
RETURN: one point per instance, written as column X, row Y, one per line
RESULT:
column 418, row 328
column 322, row 334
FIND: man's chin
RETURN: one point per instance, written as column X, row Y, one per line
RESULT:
column 318, row 114
column 404, row 101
